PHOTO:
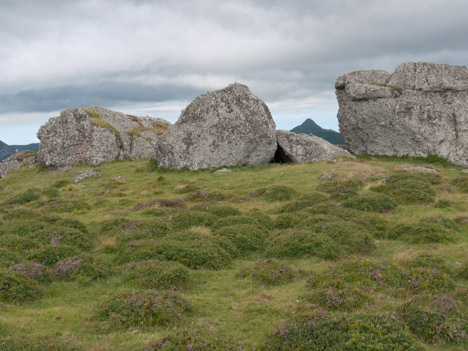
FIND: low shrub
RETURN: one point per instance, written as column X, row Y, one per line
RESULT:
column 422, row 232
column 143, row 308
column 130, row 229
column 217, row 210
column 236, row 220
column 323, row 331
column 377, row 203
column 269, row 272
column 340, row 190
column 67, row 206
column 429, row 261
column 8, row 257
column 299, row 243
column 28, row 343
column 408, row 188
column 275, row 193
column 56, row 235
column 441, row 319
column 15, row 287
column 264, row 221
column 306, row 201
column 29, row 195
column 82, row 266
column 158, row 275
column 207, row 195
column 189, row 219
column 18, row 244
column 245, row 237
column 51, row 254
column 194, row 341
column 288, row 220
column 171, row 203
column 33, row 270
column 461, row 183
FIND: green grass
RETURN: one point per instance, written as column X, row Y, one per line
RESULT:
column 245, row 258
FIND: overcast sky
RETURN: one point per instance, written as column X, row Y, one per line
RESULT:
column 153, row 57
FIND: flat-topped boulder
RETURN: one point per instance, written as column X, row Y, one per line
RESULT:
column 226, row 127
column 419, row 110
column 96, row 135
column 302, row 148
column 17, row 160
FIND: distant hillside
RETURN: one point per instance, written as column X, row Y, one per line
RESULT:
column 8, row 150
column 310, row 127
column 5, row 151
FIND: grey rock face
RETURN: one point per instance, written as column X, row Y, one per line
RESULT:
column 89, row 173
column 15, row 161
column 96, row 135
column 301, row 148
column 226, row 127
column 419, row 110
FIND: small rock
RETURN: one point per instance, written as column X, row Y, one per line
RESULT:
column 465, row 171
column 117, row 178
column 327, row 176
column 422, row 169
column 223, row 170
column 89, row 173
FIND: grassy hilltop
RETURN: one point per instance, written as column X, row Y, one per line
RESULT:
column 346, row 255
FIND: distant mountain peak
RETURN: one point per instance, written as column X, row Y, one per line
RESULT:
column 310, row 127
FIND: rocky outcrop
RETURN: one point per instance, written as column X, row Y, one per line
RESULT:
column 96, row 135
column 302, row 148
column 14, row 162
column 419, row 110
column 226, row 127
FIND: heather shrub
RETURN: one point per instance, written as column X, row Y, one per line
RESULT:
column 305, row 202
column 18, row 243
column 23, row 227
column 82, row 266
column 33, row 270
column 336, row 295
column 376, row 203
column 171, row 203
column 429, row 261
column 288, row 220
column 264, row 221
column 269, row 272
column 441, row 319
column 245, row 237
column 51, row 254
column 25, row 197
column 461, row 183
column 275, row 193
column 15, row 287
column 28, row 343
column 323, row 331
column 67, row 206
column 193, row 341
column 8, row 257
column 73, row 223
column 189, row 219
column 299, row 243
column 218, row 210
column 409, row 189
column 56, row 235
column 143, row 308
column 157, row 274
column 235, row 221
column 422, row 232
column 340, row 190
column 130, row 228
column 207, row 195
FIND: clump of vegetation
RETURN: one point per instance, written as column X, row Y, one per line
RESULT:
column 245, row 237
column 277, row 193
column 18, row 244
column 235, row 220
column 158, row 274
column 300, row 243
column 8, row 257
column 461, row 183
column 305, row 202
column 436, row 319
column 51, row 254
column 27, row 196
column 194, row 340
column 409, row 189
column 207, row 195
column 143, row 308
column 23, row 343
column 82, row 266
column 55, row 235
column 270, row 272
column 341, row 190
column 379, row 203
column 429, row 261
column 189, row 219
column 16, row 287
column 67, row 206
column 33, row 270
column 331, row 332
column 422, row 232
column 132, row 229
column 217, row 210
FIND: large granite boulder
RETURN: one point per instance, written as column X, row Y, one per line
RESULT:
column 302, row 148
column 96, row 135
column 226, row 127
column 419, row 110
column 15, row 161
